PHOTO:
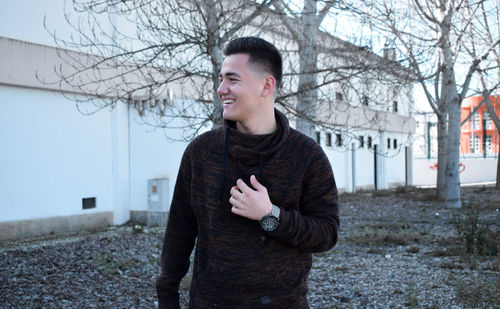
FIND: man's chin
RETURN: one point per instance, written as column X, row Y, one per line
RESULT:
column 228, row 116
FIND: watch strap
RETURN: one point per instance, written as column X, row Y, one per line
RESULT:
column 275, row 212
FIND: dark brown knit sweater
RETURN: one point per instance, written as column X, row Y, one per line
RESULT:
column 236, row 264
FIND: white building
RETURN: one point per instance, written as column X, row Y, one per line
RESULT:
column 63, row 171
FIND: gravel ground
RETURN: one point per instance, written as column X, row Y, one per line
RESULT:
column 397, row 249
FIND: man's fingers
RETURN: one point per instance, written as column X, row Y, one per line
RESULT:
column 235, row 192
column 235, row 202
column 236, row 210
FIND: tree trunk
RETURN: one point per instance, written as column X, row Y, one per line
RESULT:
column 442, row 132
column 217, row 59
column 453, row 158
column 215, row 48
column 307, row 96
column 491, row 111
column 497, row 186
column 450, row 99
column 308, row 56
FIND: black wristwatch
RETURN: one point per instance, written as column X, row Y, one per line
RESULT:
column 270, row 222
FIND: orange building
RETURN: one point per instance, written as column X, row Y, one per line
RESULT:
column 479, row 135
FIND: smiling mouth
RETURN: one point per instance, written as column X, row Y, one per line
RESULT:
column 227, row 101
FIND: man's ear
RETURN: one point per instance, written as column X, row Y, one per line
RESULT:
column 269, row 86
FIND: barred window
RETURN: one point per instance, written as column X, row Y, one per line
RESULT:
column 329, row 139
column 339, row 140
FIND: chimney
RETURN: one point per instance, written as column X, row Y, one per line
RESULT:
column 390, row 53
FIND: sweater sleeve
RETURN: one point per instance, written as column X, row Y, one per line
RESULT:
column 315, row 227
column 180, row 236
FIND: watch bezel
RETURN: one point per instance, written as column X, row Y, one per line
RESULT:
column 271, row 222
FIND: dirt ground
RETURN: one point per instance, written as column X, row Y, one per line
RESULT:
column 397, row 248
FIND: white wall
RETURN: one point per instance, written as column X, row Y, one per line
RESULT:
column 364, row 167
column 120, row 148
column 391, row 162
column 24, row 20
column 52, row 156
column 473, row 170
column 396, row 159
column 337, row 161
column 152, row 156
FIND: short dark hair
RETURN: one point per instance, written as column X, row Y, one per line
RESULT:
column 261, row 52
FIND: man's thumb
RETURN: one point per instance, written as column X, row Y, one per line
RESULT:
column 255, row 183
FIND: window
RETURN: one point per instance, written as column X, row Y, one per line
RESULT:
column 471, row 144
column 88, row 203
column 329, row 139
column 475, row 121
column 318, row 137
column 388, row 143
column 369, row 142
column 395, row 106
column 339, row 140
column 476, row 144
column 395, row 143
column 361, row 141
column 339, row 96
column 364, row 100
column 488, row 144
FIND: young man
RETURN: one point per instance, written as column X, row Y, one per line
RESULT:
column 258, row 196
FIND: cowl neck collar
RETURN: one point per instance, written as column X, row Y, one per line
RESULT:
column 250, row 149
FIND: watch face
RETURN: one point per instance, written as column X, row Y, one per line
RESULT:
column 269, row 223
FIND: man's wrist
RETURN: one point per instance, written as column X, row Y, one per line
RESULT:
column 269, row 210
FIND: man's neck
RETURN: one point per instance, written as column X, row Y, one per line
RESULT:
column 264, row 125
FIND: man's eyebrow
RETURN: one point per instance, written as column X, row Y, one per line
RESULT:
column 229, row 74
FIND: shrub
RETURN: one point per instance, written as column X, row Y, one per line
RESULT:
column 478, row 293
column 475, row 237
column 412, row 300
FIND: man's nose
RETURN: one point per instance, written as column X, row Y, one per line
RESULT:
column 222, row 89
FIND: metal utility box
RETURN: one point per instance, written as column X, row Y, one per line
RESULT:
column 158, row 203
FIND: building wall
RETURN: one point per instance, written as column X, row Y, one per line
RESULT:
column 472, row 170
column 425, row 139
column 474, row 127
column 52, row 156
column 353, row 159
column 152, row 156
column 56, row 155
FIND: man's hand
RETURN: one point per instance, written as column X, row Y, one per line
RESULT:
column 250, row 203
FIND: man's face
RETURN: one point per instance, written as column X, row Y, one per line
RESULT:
column 240, row 89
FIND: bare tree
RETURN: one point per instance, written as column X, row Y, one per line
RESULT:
column 304, row 29
column 141, row 51
column 432, row 34
column 332, row 80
